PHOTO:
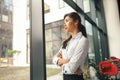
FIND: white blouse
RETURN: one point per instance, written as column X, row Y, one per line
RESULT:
column 76, row 50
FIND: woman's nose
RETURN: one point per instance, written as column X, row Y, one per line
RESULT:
column 64, row 25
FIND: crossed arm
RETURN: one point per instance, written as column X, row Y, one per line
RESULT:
column 62, row 61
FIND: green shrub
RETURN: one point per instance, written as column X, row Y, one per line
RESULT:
column 10, row 53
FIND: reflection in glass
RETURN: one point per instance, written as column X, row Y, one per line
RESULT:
column 64, row 34
column 53, row 43
column 56, row 35
column 48, row 33
column 6, row 10
column 100, row 50
column 5, row 18
column 62, row 4
column 49, row 52
column 90, row 37
column 86, row 5
column 56, row 46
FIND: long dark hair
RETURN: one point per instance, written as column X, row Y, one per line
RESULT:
column 75, row 16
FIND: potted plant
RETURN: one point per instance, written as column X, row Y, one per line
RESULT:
column 9, row 55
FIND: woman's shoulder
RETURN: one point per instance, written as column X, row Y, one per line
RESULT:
column 83, row 40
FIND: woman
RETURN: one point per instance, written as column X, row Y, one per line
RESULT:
column 71, row 56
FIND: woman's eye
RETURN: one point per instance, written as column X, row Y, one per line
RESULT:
column 66, row 20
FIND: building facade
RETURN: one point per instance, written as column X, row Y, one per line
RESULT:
column 6, row 26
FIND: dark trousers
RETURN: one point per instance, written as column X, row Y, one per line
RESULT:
column 72, row 77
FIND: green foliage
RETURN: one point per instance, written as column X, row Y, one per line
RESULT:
column 10, row 53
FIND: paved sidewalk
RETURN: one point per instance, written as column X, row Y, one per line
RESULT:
column 56, row 77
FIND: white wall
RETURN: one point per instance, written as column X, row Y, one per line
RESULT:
column 113, row 26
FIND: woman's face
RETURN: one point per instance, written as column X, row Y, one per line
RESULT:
column 69, row 24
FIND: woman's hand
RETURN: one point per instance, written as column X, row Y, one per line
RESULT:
column 59, row 55
column 62, row 61
column 78, row 71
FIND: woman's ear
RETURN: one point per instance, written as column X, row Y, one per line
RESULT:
column 76, row 22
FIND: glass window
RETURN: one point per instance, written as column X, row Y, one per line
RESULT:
column 15, row 50
column 28, row 14
column 48, row 33
column 10, row 17
column 8, row 4
column 28, row 46
column 0, row 17
column 75, row 0
column 7, row 11
column 56, row 47
column 49, row 52
column 56, row 35
column 86, row 6
column 5, row 14
column 100, row 50
column 5, row 18
column 90, row 37
column 64, row 34
column 62, row 4
column 53, row 43
column 0, row 10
